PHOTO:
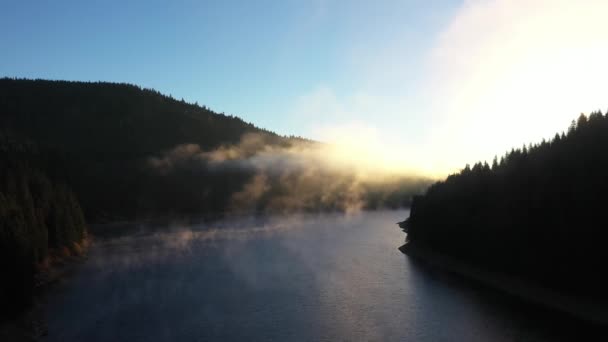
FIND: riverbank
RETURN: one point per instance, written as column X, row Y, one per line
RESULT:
column 30, row 325
column 582, row 308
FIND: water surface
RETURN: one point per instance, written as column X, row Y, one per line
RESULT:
column 323, row 277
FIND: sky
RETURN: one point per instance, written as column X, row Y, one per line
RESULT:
column 425, row 86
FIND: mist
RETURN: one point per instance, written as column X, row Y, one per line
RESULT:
column 295, row 175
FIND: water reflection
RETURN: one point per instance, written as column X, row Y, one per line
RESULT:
column 303, row 277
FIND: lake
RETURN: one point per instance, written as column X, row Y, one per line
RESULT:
column 313, row 277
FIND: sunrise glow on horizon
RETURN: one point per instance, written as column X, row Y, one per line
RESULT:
column 401, row 86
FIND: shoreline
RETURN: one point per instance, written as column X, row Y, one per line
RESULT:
column 30, row 325
column 582, row 308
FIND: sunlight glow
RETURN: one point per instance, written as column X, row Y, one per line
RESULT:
column 512, row 72
column 501, row 74
column 360, row 146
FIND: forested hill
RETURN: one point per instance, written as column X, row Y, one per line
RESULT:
column 102, row 134
column 111, row 120
column 132, row 153
column 538, row 212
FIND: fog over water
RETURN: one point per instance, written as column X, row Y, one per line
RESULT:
column 296, row 175
column 315, row 277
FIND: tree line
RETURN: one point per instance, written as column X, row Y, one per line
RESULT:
column 537, row 212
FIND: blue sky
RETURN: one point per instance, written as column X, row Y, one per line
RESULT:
column 250, row 58
column 430, row 78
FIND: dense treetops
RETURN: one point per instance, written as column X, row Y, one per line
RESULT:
column 538, row 212
column 112, row 120
column 103, row 136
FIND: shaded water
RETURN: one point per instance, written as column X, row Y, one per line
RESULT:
column 299, row 278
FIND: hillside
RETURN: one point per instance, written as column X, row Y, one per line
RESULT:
column 132, row 153
column 111, row 120
column 103, row 133
column 537, row 213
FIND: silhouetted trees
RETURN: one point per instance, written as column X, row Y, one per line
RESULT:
column 36, row 214
column 539, row 212
column 102, row 135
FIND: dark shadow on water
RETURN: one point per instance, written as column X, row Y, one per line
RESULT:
column 497, row 310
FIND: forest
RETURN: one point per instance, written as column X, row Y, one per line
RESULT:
column 39, row 216
column 102, row 134
column 538, row 212
column 113, row 140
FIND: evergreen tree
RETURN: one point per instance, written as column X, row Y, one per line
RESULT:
column 538, row 213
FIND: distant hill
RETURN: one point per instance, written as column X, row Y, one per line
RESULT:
column 129, row 153
column 102, row 120
column 102, row 134
column 539, row 212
